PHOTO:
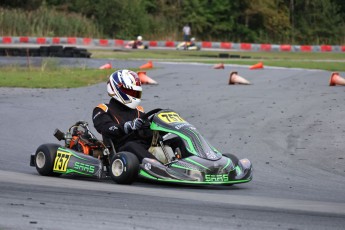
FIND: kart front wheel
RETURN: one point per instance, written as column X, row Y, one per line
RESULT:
column 44, row 159
column 124, row 168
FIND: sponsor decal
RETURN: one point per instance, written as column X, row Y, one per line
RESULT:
column 113, row 128
column 84, row 167
column 180, row 126
column 170, row 117
column 96, row 115
column 211, row 155
column 61, row 161
column 147, row 166
column 216, row 178
column 124, row 163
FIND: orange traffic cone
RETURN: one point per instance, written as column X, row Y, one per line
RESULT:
column 148, row 65
column 145, row 79
column 106, row 66
column 336, row 80
column 235, row 78
column 259, row 65
column 218, row 66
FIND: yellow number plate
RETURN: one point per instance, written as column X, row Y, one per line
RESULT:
column 170, row 117
column 61, row 161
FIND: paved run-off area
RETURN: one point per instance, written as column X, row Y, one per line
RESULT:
column 289, row 123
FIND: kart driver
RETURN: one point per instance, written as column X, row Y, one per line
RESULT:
column 191, row 43
column 122, row 115
column 137, row 44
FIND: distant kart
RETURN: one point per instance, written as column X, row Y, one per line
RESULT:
column 182, row 156
column 187, row 46
column 134, row 45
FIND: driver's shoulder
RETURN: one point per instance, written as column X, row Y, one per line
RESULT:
column 140, row 109
column 103, row 107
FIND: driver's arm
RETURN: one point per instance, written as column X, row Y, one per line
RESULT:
column 105, row 125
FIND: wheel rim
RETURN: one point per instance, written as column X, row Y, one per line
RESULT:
column 117, row 167
column 40, row 159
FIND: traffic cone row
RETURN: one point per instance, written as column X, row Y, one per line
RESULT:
column 142, row 74
column 259, row 65
column 147, row 65
column 234, row 78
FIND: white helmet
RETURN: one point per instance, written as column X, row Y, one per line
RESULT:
column 125, row 86
column 192, row 39
column 139, row 38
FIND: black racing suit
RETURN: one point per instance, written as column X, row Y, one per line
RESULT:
column 136, row 44
column 109, row 120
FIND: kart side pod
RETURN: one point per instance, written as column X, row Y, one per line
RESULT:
column 53, row 160
column 69, row 161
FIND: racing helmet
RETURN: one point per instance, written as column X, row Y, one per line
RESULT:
column 192, row 39
column 125, row 87
column 139, row 38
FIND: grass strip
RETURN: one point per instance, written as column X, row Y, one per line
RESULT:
column 59, row 78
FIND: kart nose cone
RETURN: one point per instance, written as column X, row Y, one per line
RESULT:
column 246, row 172
column 245, row 163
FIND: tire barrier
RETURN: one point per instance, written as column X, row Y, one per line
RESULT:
column 117, row 43
column 46, row 51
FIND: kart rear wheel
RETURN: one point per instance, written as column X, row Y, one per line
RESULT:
column 124, row 168
column 44, row 159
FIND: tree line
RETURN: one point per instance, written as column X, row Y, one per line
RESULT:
column 254, row 21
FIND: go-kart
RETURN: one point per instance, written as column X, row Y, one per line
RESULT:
column 136, row 45
column 181, row 155
column 187, row 46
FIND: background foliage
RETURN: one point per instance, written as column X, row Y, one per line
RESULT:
column 255, row 21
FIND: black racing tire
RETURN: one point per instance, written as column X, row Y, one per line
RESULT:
column 124, row 168
column 44, row 159
column 232, row 157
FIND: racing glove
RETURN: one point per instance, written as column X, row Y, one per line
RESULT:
column 130, row 126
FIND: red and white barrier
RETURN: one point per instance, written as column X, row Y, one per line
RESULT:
column 117, row 43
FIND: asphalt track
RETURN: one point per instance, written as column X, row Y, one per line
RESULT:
column 289, row 123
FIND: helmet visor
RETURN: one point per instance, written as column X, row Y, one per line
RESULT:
column 131, row 92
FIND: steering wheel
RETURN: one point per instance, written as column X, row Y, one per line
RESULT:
column 150, row 113
column 146, row 116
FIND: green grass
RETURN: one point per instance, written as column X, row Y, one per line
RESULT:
column 50, row 75
column 55, row 78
